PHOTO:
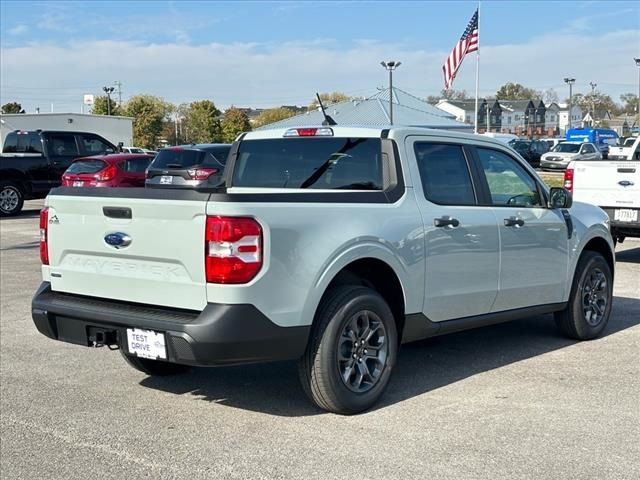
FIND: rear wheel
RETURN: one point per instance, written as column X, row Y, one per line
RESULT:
column 352, row 351
column 589, row 306
column 154, row 367
column 11, row 199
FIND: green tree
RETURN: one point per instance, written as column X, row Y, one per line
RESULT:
column 101, row 106
column 202, row 121
column 273, row 115
column 516, row 91
column 595, row 100
column 12, row 107
column 235, row 121
column 629, row 103
column 149, row 114
column 329, row 98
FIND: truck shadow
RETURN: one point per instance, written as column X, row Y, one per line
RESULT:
column 422, row 366
column 25, row 213
column 631, row 255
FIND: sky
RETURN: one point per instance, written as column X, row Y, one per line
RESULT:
column 263, row 54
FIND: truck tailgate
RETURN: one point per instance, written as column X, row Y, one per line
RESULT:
column 162, row 265
column 607, row 183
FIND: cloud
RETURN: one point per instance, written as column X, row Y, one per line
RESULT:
column 18, row 30
column 264, row 75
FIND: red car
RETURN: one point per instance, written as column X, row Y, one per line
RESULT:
column 116, row 170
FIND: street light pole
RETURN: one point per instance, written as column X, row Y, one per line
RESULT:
column 637, row 60
column 108, row 91
column 570, row 82
column 593, row 103
column 390, row 67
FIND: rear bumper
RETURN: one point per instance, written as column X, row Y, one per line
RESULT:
column 219, row 335
column 624, row 229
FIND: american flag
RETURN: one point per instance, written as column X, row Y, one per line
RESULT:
column 468, row 43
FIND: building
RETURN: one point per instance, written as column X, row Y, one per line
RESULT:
column 408, row 110
column 113, row 128
column 464, row 111
column 596, row 118
column 563, row 121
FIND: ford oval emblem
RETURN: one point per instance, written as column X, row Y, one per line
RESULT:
column 625, row 183
column 117, row 240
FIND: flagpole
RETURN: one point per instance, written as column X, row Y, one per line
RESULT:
column 477, row 73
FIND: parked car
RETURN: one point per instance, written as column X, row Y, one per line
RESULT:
column 150, row 152
column 552, row 142
column 132, row 150
column 118, row 170
column 530, row 150
column 564, row 153
column 630, row 150
column 188, row 166
column 328, row 245
column 32, row 162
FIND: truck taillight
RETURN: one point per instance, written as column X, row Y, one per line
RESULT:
column 44, row 240
column 568, row 179
column 233, row 249
column 201, row 173
column 107, row 174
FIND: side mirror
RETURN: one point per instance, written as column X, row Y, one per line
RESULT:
column 120, row 145
column 560, row 197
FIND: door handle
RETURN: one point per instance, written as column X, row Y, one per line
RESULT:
column 513, row 222
column 446, row 222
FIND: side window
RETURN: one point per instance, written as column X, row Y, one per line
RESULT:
column 33, row 143
column 95, row 146
column 509, row 183
column 445, row 174
column 591, row 149
column 62, row 145
column 136, row 165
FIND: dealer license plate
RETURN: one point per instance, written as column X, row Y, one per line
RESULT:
column 78, row 183
column 166, row 179
column 146, row 343
column 625, row 215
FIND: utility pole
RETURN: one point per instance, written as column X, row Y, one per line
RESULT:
column 390, row 67
column 593, row 103
column 570, row 82
column 118, row 84
column 108, row 91
column 637, row 60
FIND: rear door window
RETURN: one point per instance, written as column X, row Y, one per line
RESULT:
column 23, row 142
column 314, row 163
column 63, row 145
column 95, row 146
column 136, row 165
column 444, row 174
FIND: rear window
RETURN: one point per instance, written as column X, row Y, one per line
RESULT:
column 23, row 142
column 316, row 163
column 220, row 153
column 184, row 158
column 86, row 166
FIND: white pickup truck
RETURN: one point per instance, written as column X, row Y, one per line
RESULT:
column 614, row 186
column 629, row 150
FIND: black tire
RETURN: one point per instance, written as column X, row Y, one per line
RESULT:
column 589, row 306
column 336, row 349
column 11, row 199
column 154, row 368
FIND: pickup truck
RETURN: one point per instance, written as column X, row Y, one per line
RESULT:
column 630, row 150
column 613, row 185
column 331, row 246
column 32, row 162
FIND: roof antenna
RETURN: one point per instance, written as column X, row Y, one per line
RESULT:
column 327, row 119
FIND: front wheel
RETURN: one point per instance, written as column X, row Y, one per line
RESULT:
column 352, row 350
column 589, row 307
column 154, row 367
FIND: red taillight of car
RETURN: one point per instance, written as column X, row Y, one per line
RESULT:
column 233, row 249
column 44, row 240
column 568, row 179
column 106, row 174
column 201, row 173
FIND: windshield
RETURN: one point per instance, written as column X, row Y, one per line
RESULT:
column 566, row 148
column 629, row 142
column 183, row 158
column 86, row 166
column 315, row 163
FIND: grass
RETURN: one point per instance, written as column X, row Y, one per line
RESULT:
column 552, row 179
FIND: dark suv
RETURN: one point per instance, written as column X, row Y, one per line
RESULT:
column 188, row 166
column 530, row 150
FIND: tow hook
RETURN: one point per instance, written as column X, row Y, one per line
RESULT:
column 100, row 338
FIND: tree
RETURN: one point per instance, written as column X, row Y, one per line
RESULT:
column 549, row 96
column 629, row 103
column 516, row 91
column 450, row 94
column 12, row 107
column 101, row 106
column 328, row 99
column 235, row 121
column 202, row 122
column 273, row 115
column 595, row 100
column 149, row 114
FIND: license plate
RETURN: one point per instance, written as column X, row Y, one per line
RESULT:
column 626, row 215
column 166, row 179
column 146, row 344
column 78, row 183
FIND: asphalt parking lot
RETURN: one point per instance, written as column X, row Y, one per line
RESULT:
column 504, row 402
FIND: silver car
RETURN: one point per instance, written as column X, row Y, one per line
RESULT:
column 562, row 154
